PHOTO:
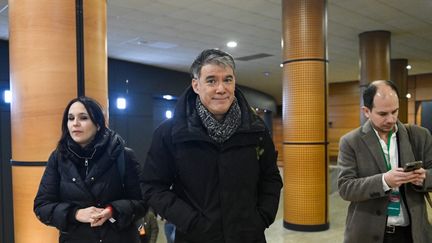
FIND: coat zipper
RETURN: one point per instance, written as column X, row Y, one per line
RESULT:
column 85, row 159
column 86, row 165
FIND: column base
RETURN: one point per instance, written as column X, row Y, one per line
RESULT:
column 306, row 228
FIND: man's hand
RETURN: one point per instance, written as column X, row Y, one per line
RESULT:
column 397, row 177
column 421, row 176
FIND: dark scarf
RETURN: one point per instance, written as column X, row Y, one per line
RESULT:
column 220, row 131
column 95, row 147
column 102, row 147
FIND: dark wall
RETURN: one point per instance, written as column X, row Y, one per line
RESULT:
column 143, row 92
column 259, row 99
column 6, row 210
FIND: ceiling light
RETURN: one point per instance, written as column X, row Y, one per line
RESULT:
column 4, row 8
column 121, row 103
column 231, row 44
column 162, row 45
column 281, row 65
column 168, row 114
column 408, row 96
column 7, row 96
column 408, row 67
column 168, row 97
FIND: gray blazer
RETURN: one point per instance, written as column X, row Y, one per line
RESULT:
column 360, row 182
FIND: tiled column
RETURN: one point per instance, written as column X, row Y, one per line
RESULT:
column 57, row 52
column 304, row 115
column 374, row 60
column 399, row 75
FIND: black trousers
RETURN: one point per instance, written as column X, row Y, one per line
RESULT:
column 400, row 235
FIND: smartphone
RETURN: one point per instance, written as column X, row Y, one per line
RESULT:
column 410, row 166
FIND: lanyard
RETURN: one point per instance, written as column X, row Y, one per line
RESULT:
column 388, row 165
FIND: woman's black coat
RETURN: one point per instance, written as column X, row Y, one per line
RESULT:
column 65, row 188
column 213, row 192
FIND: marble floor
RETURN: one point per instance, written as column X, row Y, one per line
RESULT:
column 337, row 212
column 276, row 233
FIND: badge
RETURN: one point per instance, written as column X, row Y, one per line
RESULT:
column 393, row 208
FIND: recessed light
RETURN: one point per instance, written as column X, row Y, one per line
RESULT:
column 168, row 114
column 121, row 103
column 168, row 97
column 7, row 96
column 231, row 44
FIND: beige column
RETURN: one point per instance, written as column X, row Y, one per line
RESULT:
column 304, row 115
column 43, row 72
column 374, row 60
column 399, row 75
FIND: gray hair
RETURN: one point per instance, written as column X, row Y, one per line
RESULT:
column 211, row 56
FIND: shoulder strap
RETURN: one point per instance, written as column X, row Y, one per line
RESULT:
column 409, row 130
column 121, row 166
column 410, row 138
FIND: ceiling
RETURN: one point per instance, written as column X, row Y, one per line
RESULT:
column 171, row 33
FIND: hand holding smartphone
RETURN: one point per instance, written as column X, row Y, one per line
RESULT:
column 410, row 166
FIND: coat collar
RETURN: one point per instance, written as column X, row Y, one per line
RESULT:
column 372, row 143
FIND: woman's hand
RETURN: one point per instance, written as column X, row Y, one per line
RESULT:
column 93, row 215
column 85, row 215
column 100, row 218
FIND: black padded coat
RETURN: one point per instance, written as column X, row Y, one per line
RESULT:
column 65, row 188
column 213, row 193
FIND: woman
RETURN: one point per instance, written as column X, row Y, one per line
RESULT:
column 83, row 192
